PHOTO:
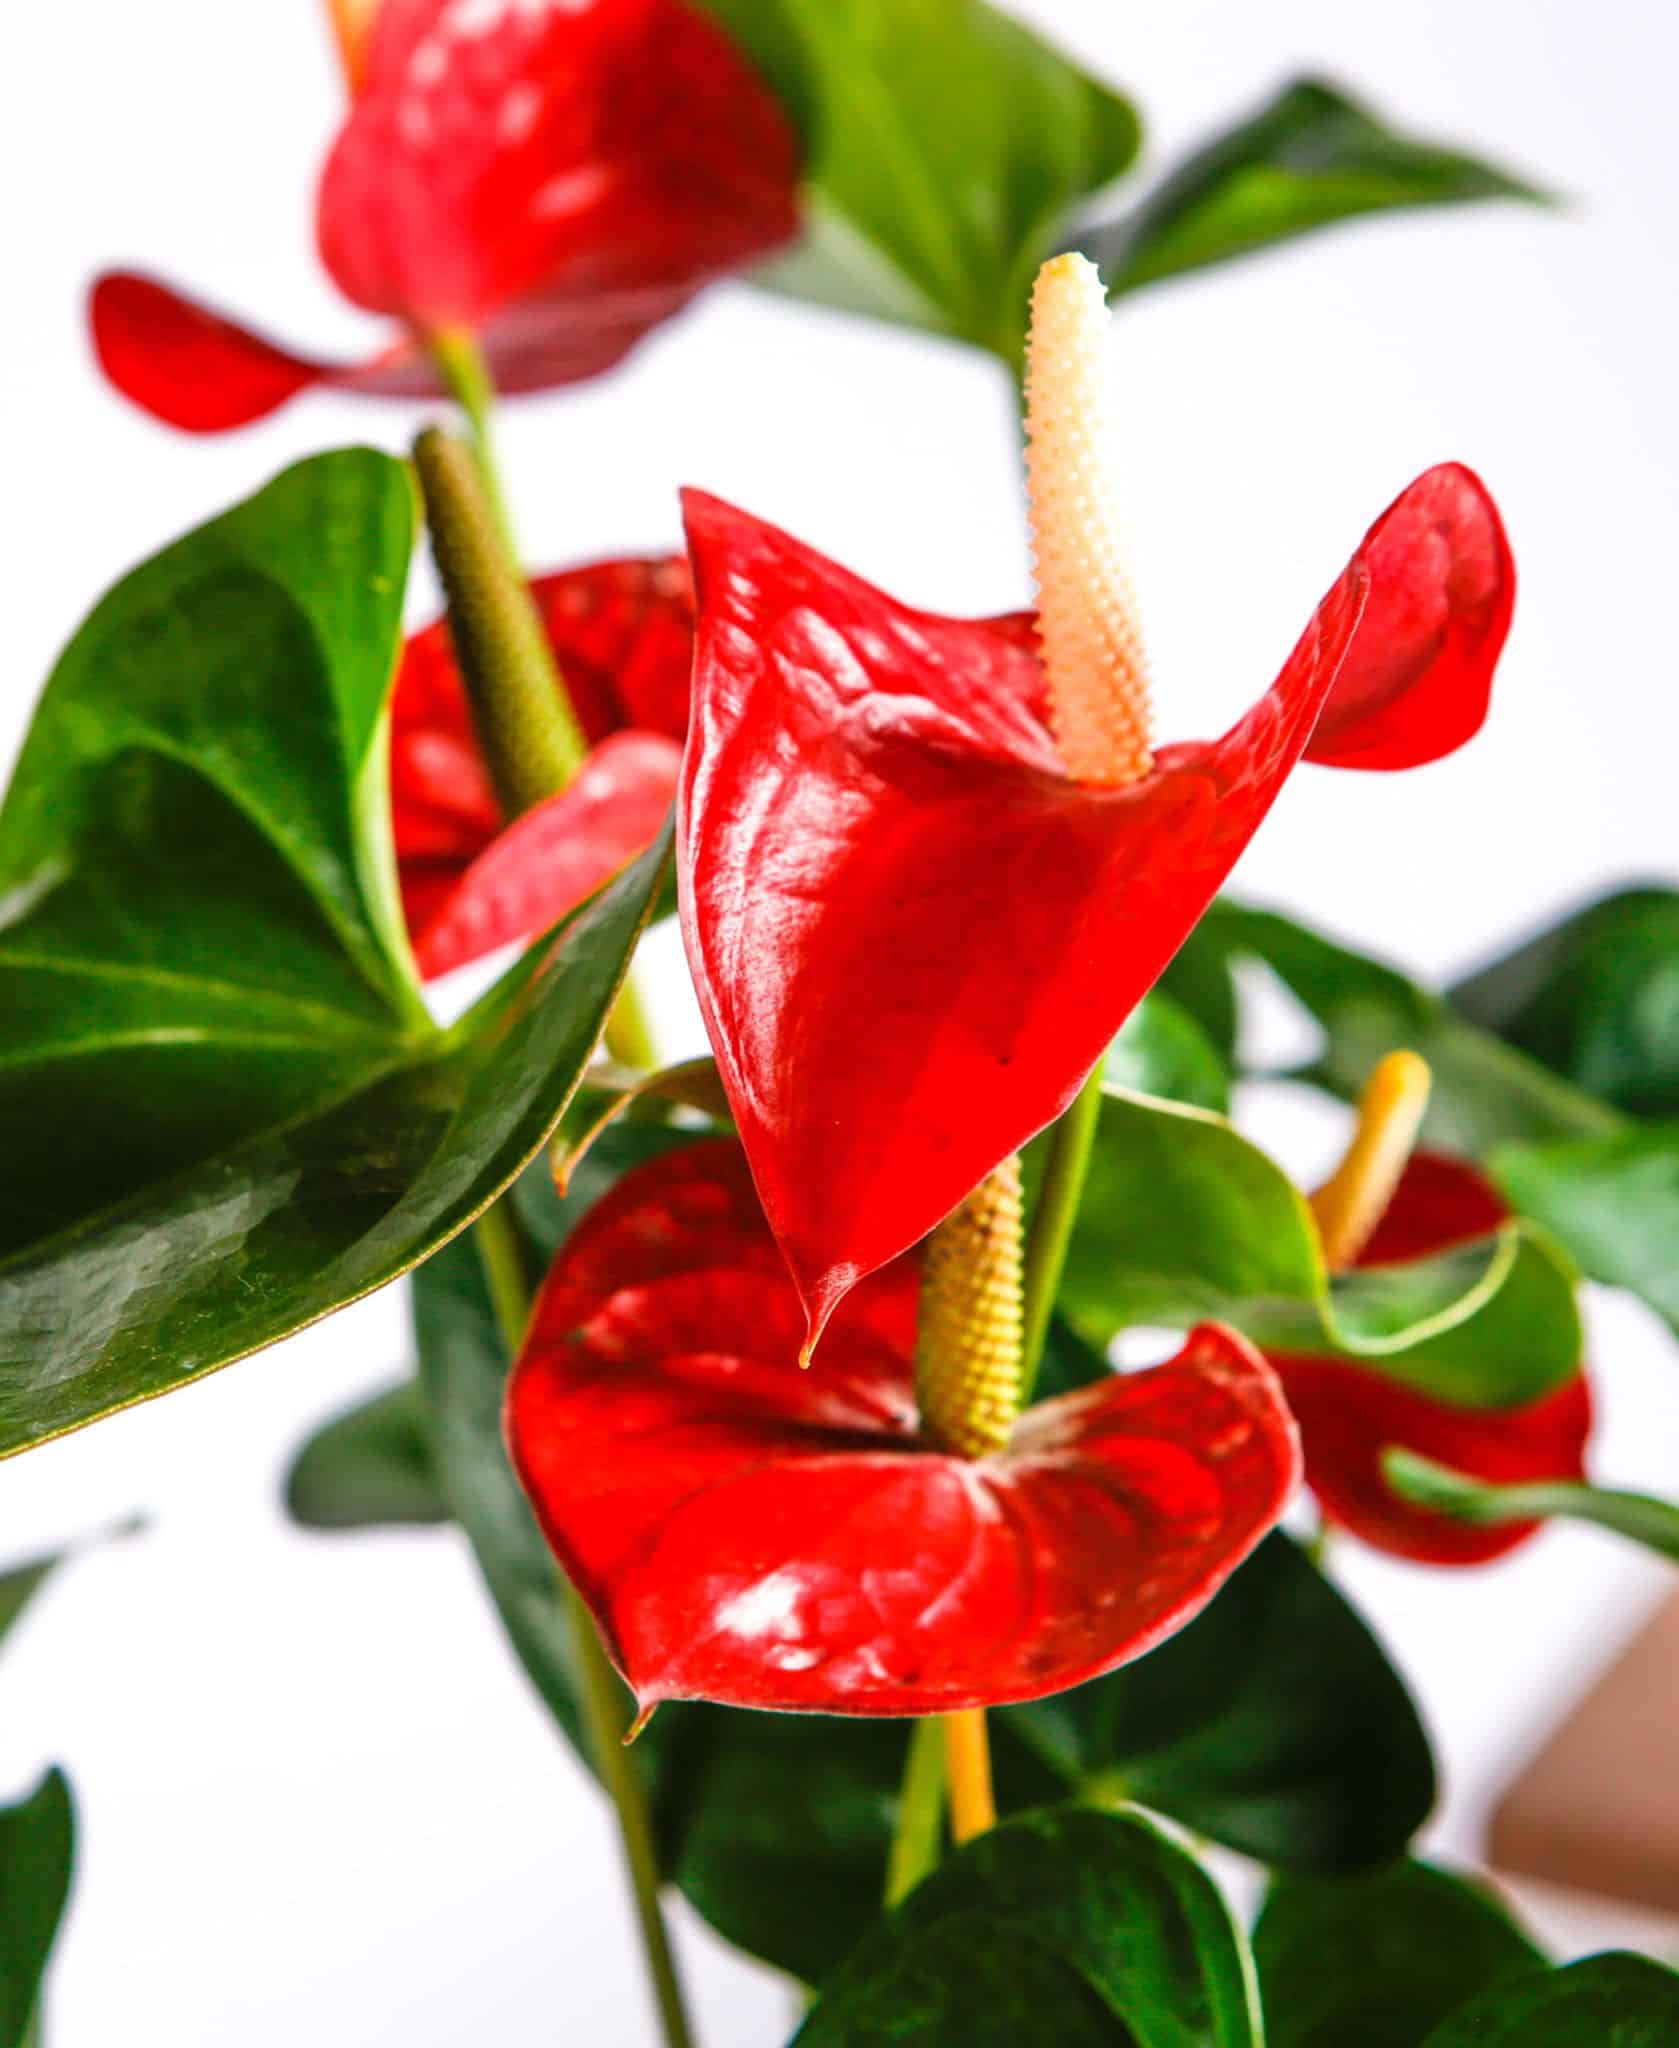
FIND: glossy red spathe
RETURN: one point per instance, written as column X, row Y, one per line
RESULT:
column 622, row 634
column 753, row 1534
column 557, row 177
column 912, row 935
column 1349, row 1414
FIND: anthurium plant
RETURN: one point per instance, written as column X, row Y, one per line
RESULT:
column 789, row 1396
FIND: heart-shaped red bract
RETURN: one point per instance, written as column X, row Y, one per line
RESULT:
column 911, row 934
column 622, row 634
column 750, row 1533
column 557, row 176
column 1350, row 1414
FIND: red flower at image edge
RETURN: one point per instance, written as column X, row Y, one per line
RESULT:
column 912, row 935
column 749, row 1533
column 557, row 178
column 1349, row 1414
column 622, row 633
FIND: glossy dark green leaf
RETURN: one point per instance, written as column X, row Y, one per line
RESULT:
column 228, row 1112
column 1184, row 1219
column 1608, row 2001
column 1639, row 1517
column 37, row 1846
column 371, row 1467
column 1595, row 998
column 1084, row 1929
column 1273, row 1724
column 1308, row 158
column 1379, row 1960
column 270, row 1235
column 945, row 147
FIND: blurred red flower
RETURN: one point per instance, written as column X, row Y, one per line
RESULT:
column 556, row 178
column 746, row 1532
column 1350, row 1413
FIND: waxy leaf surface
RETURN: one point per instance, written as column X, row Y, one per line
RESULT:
column 1379, row 1960
column 37, row 1846
column 558, row 178
column 1309, row 157
column 1614, row 2000
column 755, row 1535
column 945, row 147
column 1089, row 1930
column 233, row 1114
column 877, row 848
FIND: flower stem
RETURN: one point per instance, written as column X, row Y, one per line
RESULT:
column 1052, row 1222
column 606, row 1717
column 915, row 1846
column 967, row 1754
column 466, row 377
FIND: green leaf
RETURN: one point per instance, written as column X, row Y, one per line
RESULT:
column 37, row 1842
column 1485, row 1092
column 1378, row 1960
column 1088, row 1930
column 945, row 147
column 20, row 1585
column 1640, row 1517
column 1608, row 2001
column 230, row 1113
column 1184, row 1219
column 1308, row 158
column 1273, row 1723
column 1163, row 1051
column 369, row 1468
column 1595, row 998
column 1613, row 1201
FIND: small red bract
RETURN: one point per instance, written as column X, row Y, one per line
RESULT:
column 622, row 634
column 750, row 1533
column 557, row 178
column 911, row 933
column 1350, row 1414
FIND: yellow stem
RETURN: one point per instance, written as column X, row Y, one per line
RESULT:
column 1353, row 1200
column 967, row 1759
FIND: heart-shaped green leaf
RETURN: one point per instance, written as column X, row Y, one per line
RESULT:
column 945, row 148
column 371, row 1468
column 1184, row 1219
column 37, row 1847
column 1309, row 157
column 1639, row 1517
column 1608, row 2001
column 232, row 1113
column 1595, row 998
column 1273, row 1724
column 1089, row 1930
column 1162, row 1050
column 1379, row 1960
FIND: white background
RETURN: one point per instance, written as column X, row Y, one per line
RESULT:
column 318, row 1801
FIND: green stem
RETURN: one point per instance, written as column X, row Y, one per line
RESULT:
column 920, row 1834
column 1052, row 1221
column 605, row 1706
column 524, row 716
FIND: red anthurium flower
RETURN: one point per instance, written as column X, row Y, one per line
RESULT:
column 622, row 633
column 557, row 177
column 1350, row 1414
column 750, row 1533
column 912, row 932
